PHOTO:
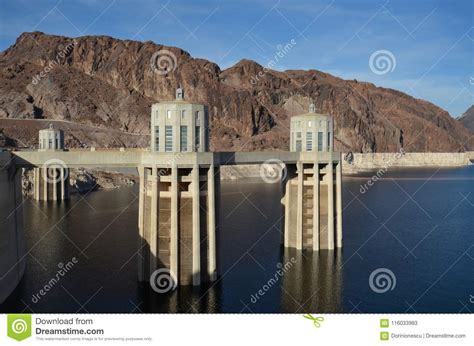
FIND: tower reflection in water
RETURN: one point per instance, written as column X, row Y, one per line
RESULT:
column 185, row 299
column 314, row 283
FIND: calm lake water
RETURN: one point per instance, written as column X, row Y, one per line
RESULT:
column 416, row 223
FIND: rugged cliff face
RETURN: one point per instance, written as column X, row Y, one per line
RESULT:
column 108, row 84
column 467, row 119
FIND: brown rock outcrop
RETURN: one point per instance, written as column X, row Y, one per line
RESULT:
column 467, row 119
column 110, row 84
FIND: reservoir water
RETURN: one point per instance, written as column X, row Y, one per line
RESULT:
column 414, row 227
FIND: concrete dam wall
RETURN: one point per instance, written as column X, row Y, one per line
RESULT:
column 12, row 240
column 369, row 161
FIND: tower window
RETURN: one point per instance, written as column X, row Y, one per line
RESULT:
column 183, row 138
column 320, row 141
column 298, row 145
column 157, row 138
column 168, row 114
column 197, row 115
column 183, row 114
column 309, row 141
column 198, row 137
column 168, row 138
column 329, row 140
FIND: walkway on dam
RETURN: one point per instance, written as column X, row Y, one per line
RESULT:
column 136, row 158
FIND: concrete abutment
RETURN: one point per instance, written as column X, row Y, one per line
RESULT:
column 12, row 240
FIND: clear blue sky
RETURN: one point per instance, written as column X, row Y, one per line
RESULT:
column 432, row 41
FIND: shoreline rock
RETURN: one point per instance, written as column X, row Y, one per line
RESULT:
column 84, row 180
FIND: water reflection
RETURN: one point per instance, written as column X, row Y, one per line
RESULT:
column 204, row 298
column 101, row 231
column 314, row 283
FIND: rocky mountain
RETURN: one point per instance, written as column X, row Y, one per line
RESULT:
column 467, row 119
column 99, row 84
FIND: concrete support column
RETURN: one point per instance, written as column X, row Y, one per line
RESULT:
column 174, row 250
column 316, row 206
column 66, row 183
column 287, row 213
column 37, row 183
column 141, row 228
column 54, row 180
column 217, row 183
column 339, row 202
column 55, row 183
column 44, row 176
column 63, row 184
column 154, row 221
column 211, row 225
column 330, row 181
column 196, row 269
column 299, row 217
